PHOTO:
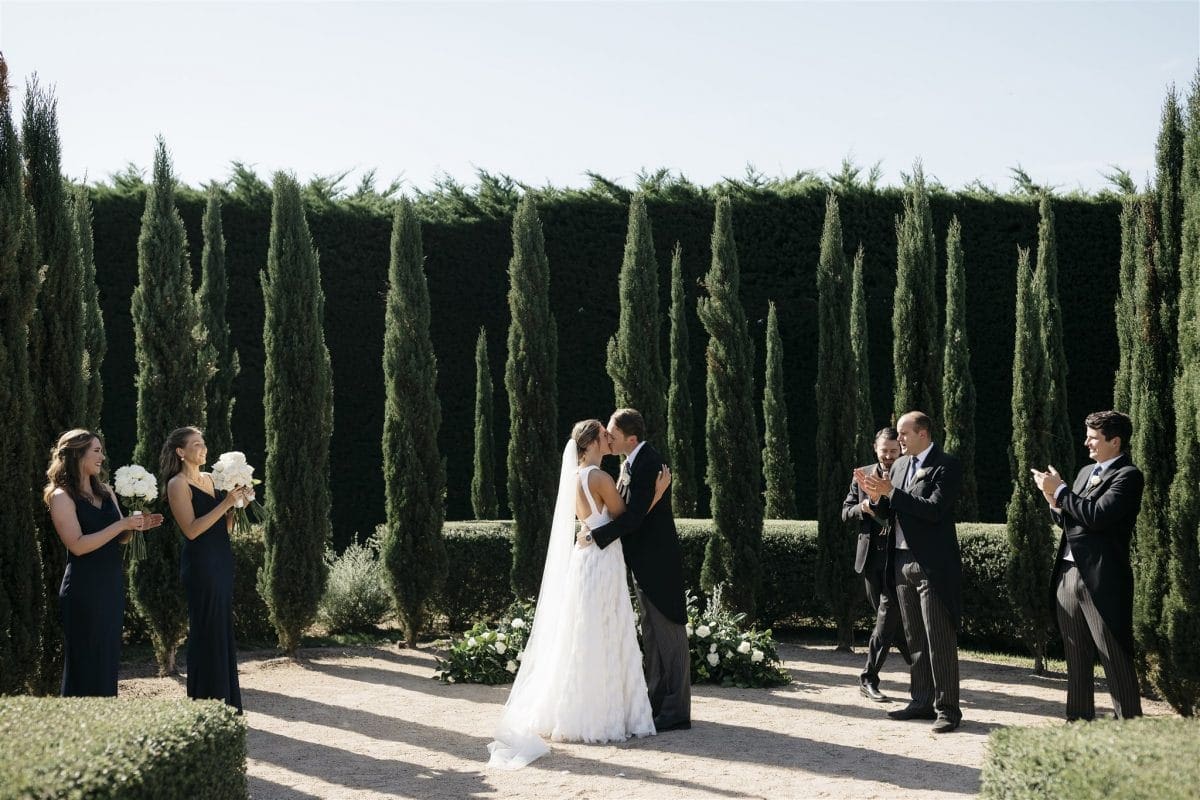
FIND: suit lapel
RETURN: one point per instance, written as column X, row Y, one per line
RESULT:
column 1106, row 477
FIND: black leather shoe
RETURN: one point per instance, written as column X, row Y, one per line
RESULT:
column 871, row 692
column 908, row 712
column 661, row 725
column 945, row 725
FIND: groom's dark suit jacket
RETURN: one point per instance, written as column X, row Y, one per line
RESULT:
column 649, row 539
column 926, row 513
column 1097, row 523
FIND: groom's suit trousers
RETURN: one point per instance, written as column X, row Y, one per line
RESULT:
column 668, row 665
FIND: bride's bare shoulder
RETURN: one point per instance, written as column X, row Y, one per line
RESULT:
column 598, row 478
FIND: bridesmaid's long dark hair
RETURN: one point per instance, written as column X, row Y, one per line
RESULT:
column 63, row 472
column 169, row 462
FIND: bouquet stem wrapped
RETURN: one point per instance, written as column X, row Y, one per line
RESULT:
column 138, row 491
column 232, row 472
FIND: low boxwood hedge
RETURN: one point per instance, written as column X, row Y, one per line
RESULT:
column 113, row 748
column 1155, row 757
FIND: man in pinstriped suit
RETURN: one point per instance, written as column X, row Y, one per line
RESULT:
column 918, row 497
column 1092, row 580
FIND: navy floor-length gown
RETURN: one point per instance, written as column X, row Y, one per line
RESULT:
column 206, row 567
column 91, row 600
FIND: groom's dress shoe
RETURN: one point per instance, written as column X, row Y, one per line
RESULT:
column 908, row 712
column 661, row 725
column 945, row 725
column 871, row 692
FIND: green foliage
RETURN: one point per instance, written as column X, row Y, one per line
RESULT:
column 477, row 584
column 414, row 471
column 1124, row 307
column 212, row 298
column 1181, row 607
column 1168, row 152
column 837, row 426
column 1116, row 759
column 489, row 654
column 916, row 368
column 864, row 444
column 94, row 344
column 778, row 475
column 483, row 480
column 174, row 365
column 1060, row 450
column 1151, row 449
column 56, row 343
column 725, row 653
column 531, row 379
column 22, row 595
column 251, row 617
column 356, row 592
column 958, row 387
column 1029, row 533
column 298, row 410
column 634, row 362
column 731, row 429
column 151, row 749
column 680, row 419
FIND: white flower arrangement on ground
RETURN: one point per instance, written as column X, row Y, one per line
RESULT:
column 488, row 653
column 723, row 653
column 138, row 490
column 231, row 472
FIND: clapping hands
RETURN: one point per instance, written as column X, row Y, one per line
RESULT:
column 1048, row 482
column 875, row 487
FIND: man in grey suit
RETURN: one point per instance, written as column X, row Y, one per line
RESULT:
column 870, row 561
column 919, row 497
column 1092, row 581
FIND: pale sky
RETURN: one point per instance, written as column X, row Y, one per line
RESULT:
column 547, row 91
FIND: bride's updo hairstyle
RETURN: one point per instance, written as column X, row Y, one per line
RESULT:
column 585, row 433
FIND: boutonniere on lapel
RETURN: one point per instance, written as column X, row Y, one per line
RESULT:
column 1093, row 481
column 922, row 474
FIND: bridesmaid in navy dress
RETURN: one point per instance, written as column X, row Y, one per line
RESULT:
column 91, row 599
column 204, row 515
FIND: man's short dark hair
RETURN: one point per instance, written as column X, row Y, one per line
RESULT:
column 630, row 421
column 1110, row 424
column 920, row 421
column 887, row 434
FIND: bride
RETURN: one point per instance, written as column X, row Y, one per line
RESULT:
column 580, row 678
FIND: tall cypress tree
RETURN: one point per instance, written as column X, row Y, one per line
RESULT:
column 95, row 344
column 413, row 468
column 1030, row 541
column 21, row 588
column 680, row 424
column 837, row 424
column 730, row 428
column 864, row 447
column 531, row 379
column 172, row 356
column 1061, row 452
column 1124, row 310
column 778, row 472
column 958, row 388
column 1167, row 186
column 483, row 480
column 634, row 363
column 213, row 295
column 1181, row 607
column 56, row 342
column 915, row 349
column 298, row 417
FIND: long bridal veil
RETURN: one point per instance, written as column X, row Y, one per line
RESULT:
column 529, row 703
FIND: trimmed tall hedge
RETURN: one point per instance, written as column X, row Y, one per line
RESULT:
column 778, row 240
column 105, row 748
column 1114, row 759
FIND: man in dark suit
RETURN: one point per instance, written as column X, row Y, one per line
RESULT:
column 871, row 562
column 1092, row 581
column 918, row 497
column 653, row 553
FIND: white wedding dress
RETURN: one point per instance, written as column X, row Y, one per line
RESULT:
column 580, row 679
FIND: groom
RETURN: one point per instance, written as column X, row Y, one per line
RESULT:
column 652, row 551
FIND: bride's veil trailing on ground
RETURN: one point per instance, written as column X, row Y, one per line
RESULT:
column 517, row 740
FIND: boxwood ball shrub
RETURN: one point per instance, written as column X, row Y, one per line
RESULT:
column 111, row 748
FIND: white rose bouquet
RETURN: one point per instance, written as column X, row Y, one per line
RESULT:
column 138, row 490
column 231, row 472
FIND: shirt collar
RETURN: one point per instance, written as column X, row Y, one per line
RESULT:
column 633, row 455
column 1104, row 465
column 920, row 457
